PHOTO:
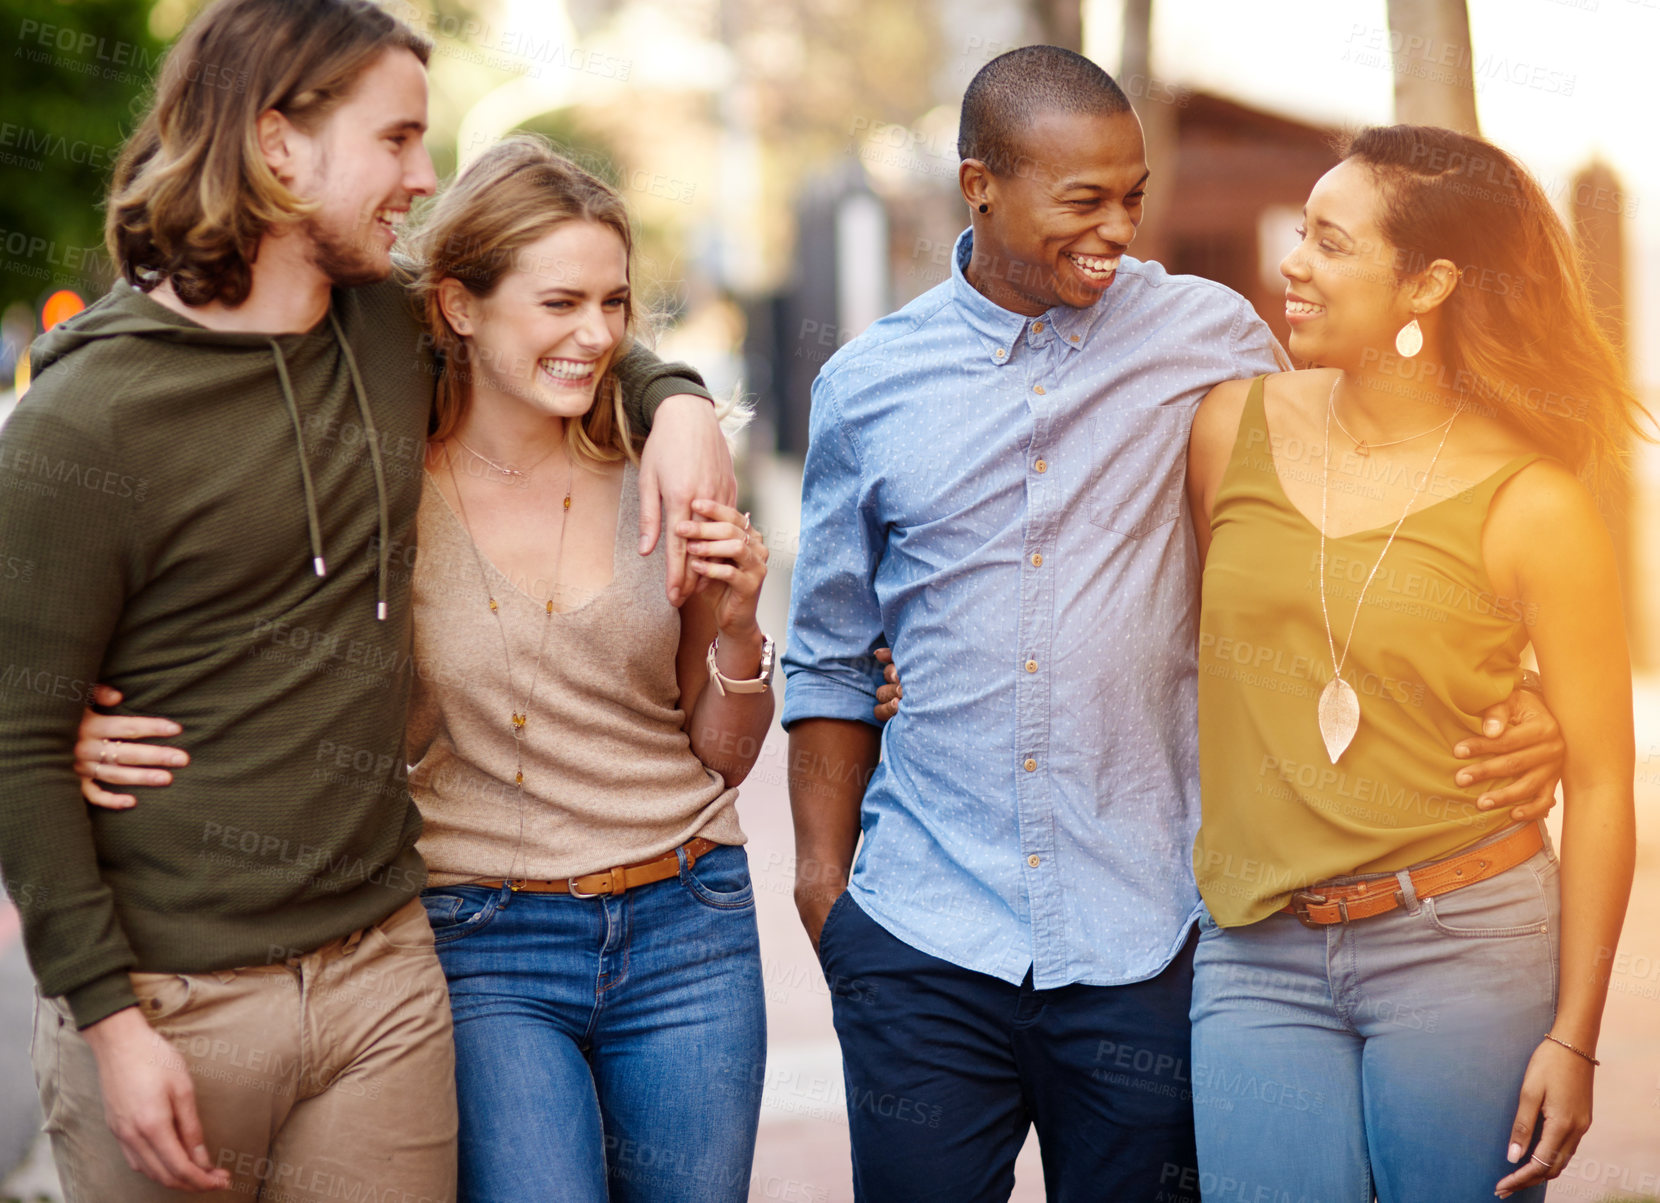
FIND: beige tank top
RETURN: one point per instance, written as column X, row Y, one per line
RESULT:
column 609, row 773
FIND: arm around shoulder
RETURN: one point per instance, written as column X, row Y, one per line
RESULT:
column 648, row 381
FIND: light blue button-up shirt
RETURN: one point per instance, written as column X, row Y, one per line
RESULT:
column 1001, row 499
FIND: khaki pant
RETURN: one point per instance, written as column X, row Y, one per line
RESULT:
column 329, row 1076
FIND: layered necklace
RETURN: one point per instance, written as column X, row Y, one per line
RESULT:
column 1339, row 704
column 520, row 714
column 516, row 475
column 1363, row 447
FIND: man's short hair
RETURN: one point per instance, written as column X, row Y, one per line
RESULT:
column 1009, row 93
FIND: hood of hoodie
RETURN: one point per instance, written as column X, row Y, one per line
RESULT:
column 125, row 311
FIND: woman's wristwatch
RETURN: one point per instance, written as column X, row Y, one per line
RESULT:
column 756, row 684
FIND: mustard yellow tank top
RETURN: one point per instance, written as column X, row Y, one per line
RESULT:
column 1433, row 648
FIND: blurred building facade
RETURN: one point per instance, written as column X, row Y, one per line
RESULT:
column 1238, row 183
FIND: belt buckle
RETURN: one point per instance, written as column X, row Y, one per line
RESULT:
column 1303, row 899
column 570, row 884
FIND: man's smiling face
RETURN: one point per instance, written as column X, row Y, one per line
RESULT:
column 1059, row 221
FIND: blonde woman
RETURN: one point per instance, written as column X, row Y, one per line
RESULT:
column 575, row 741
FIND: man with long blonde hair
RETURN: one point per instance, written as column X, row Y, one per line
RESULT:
column 238, row 988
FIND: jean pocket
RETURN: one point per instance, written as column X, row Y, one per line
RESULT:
column 1518, row 902
column 456, row 911
column 1136, row 457
column 161, row 995
column 720, row 879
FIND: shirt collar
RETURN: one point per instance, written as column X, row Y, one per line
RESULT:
column 1000, row 329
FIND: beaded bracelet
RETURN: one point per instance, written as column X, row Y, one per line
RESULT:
column 1572, row 1049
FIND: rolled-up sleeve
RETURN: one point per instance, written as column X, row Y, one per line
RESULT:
column 835, row 619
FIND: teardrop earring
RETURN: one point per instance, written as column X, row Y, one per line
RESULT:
column 1410, row 340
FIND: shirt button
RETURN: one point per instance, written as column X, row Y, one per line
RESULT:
column 1037, row 559
column 1031, row 666
column 1000, row 352
column 1042, row 465
column 1037, row 327
column 1074, row 338
column 1038, row 389
column 1034, row 860
column 1031, row 765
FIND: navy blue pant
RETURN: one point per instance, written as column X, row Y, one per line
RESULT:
column 947, row 1068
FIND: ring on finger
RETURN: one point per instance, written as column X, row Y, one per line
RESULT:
column 1539, row 1159
column 104, row 752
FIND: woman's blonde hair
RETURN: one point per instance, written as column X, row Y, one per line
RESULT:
column 191, row 195
column 508, row 198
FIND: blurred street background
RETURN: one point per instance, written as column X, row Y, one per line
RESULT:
column 791, row 168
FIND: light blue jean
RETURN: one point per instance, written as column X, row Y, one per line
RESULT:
column 596, row 1039
column 1384, row 1055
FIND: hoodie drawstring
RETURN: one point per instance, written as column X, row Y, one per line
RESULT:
column 114, row 316
column 311, row 517
column 373, row 436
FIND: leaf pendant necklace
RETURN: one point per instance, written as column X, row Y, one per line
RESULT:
column 1339, row 716
column 1339, row 708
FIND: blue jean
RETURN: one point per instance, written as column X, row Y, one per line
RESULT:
column 1384, row 1055
column 947, row 1069
column 590, row 1036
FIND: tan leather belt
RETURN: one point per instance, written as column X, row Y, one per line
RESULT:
column 611, row 882
column 1321, row 905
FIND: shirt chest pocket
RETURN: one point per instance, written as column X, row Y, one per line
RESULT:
column 1137, row 468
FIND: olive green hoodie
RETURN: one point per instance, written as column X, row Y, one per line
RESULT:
column 220, row 525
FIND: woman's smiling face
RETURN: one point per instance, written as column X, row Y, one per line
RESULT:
column 1344, row 295
column 547, row 332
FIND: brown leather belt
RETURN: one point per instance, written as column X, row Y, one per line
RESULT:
column 611, row 882
column 1321, row 905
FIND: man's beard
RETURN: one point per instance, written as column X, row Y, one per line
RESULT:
column 346, row 263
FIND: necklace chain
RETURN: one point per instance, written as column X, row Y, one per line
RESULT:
column 1365, row 446
column 510, row 473
column 520, row 713
column 1338, row 662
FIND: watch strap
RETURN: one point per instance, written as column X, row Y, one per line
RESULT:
column 757, row 684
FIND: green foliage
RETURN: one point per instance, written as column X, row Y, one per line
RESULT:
column 74, row 75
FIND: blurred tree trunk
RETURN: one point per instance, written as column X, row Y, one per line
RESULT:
column 1058, row 22
column 1434, row 85
column 1158, row 125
